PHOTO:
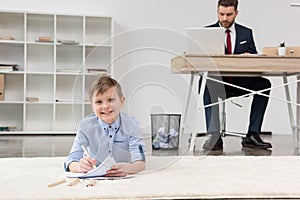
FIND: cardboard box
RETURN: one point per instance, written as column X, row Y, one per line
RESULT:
column 1, row 87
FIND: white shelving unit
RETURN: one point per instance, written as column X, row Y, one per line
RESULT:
column 55, row 72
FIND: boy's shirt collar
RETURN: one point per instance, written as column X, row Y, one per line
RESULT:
column 114, row 126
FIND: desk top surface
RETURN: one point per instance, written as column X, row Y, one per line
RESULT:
column 245, row 63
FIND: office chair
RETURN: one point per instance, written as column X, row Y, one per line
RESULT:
column 223, row 118
column 223, row 130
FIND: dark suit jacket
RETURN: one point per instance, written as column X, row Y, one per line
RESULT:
column 244, row 42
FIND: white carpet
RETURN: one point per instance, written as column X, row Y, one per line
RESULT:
column 165, row 177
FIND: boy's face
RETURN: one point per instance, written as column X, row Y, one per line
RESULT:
column 107, row 106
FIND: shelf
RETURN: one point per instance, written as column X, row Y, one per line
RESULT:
column 40, row 58
column 39, row 117
column 70, row 28
column 53, row 71
column 98, row 45
column 39, row 25
column 98, row 57
column 41, row 86
column 69, row 57
column 67, row 117
column 11, row 42
column 39, row 102
column 68, row 102
column 13, row 83
column 13, row 115
column 12, row 53
column 11, row 102
column 98, row 30
column 12, row 25
column 69, row 87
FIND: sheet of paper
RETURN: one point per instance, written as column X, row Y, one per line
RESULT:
column 97, row 172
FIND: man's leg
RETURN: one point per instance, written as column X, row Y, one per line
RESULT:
column 258, row 108
column 259, row 103
column 212, row 92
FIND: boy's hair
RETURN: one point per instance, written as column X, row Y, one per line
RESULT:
column 103, row 84
column 227, row 3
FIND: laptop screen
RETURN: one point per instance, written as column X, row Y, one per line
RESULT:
column 205, row 40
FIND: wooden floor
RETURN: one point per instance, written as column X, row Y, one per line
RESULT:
column 51, row 146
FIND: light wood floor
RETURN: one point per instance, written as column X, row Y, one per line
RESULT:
column 50, row 146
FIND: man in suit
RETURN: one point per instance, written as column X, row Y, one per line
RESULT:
column 239, row 40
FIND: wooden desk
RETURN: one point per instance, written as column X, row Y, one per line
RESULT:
column 239, row 65
column 259, row 65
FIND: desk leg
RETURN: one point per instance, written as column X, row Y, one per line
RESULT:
column 187, row 102
column 201, row 105
column 297, row 128
column 294, row 126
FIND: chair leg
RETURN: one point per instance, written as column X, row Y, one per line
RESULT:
column 223, row 120
column 223, row 130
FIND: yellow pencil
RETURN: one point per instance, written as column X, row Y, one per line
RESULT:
column 73, row 182
column 57, row 183
column 92, row 183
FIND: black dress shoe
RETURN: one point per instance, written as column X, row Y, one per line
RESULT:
column 254, row 141
column 214, row 142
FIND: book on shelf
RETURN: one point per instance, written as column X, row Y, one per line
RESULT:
column 8, row 67
column 71, row 42
column 32, row 99
column 44, row 39
column 69, row 70
column 1, row 87
column 8, row 128
column 7, row 38
column 96, row 71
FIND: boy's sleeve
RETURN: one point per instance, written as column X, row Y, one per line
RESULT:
column 76, row 152
column 136, row 144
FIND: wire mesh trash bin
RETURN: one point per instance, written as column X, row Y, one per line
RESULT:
column 165, row 131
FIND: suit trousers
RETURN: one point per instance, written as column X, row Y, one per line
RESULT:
column 214, row 90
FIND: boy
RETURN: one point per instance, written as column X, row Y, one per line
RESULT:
column 107, row 132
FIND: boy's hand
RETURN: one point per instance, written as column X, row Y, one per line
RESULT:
column 86, row 164
column 119, row 169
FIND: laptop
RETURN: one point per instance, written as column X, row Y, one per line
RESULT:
column 205, row 40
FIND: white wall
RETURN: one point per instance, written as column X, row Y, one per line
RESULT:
column 148, row 35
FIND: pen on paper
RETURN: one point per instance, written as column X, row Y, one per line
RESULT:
column 87, row 153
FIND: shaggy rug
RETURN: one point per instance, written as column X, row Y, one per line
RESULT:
column 165, row 177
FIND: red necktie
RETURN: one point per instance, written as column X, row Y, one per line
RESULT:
column 228, row 42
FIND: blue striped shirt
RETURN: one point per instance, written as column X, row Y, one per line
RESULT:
column 122, row 140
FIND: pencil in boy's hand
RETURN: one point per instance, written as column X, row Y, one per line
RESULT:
column 87, row 153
